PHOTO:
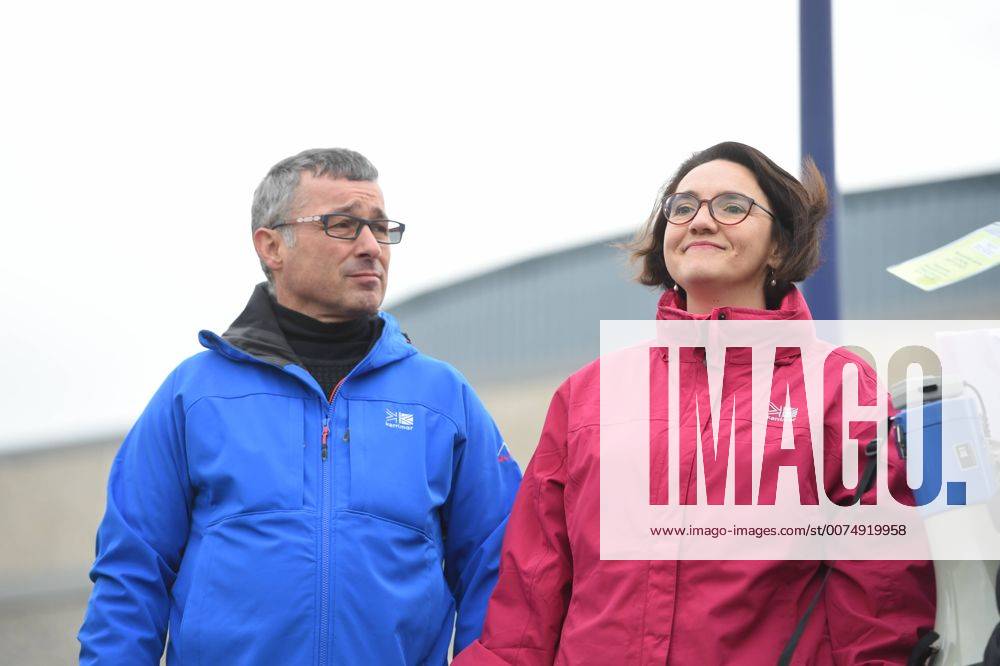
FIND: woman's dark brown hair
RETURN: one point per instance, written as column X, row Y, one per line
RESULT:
column 799, row 209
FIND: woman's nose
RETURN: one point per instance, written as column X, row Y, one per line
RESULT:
column 703, row 219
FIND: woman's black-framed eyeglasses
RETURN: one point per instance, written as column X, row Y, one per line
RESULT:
column 725, row 208
column 348, row 227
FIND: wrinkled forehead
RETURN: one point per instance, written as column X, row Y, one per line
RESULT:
column 359, row 197
column 711, row 178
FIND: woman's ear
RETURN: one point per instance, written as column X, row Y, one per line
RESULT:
column 775, row 257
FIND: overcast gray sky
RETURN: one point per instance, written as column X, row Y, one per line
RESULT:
column 134, row 134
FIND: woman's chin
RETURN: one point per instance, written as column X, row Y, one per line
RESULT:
column 704, row 281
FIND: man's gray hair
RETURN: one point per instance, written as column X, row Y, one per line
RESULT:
column 275, row 196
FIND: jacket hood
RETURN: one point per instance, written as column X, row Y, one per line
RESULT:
column 673, row 305
column 255, row 335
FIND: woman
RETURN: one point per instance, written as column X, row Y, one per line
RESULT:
column 730, row 233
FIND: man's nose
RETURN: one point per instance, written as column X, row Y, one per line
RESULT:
column 365, row 244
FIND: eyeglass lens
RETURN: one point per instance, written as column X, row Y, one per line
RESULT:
column 727, row 208
column 349, row 227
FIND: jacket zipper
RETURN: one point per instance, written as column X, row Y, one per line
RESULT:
column 325, row 508
column 324, row 612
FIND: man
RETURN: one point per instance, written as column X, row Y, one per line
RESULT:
column 311, row 489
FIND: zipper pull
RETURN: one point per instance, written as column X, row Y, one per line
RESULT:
column 326, row 434
column 347, row 435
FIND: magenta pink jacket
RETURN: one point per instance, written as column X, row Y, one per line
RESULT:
column 557, row 602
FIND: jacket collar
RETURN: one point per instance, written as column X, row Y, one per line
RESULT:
column 255, row 335
column 672, row 305
column 793, row 306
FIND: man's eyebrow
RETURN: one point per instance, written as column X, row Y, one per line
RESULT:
column 353, row 208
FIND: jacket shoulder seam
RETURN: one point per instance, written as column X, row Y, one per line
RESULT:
column 857, row 362
column 236, row 397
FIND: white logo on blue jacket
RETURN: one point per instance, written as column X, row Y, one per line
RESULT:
column 398, row 420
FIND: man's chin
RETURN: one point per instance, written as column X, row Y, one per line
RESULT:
column 367, row 305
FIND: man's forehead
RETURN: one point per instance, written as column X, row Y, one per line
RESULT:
column 339, row 193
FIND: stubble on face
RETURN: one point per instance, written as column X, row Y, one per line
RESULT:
column 327, row 278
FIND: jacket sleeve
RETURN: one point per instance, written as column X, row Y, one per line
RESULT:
column 475, row 515
column 877, row 609
column 140, row 539
column 528, row 606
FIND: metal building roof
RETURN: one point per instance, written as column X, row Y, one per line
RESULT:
column 541, row 316
column 880, row 228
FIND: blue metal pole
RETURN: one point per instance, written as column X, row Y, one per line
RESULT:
column 816, row 108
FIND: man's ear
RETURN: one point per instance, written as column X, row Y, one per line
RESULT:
column 269, row 245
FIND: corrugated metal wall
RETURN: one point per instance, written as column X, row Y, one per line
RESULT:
column 885, row 227
column 537, row 317
column 542, row 316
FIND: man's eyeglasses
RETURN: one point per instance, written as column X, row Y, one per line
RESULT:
column 725, row 208
column 348, row 227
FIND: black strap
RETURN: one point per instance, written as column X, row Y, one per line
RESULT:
column 867, row 479
column 864, row 483
column 923, row 651
column 786, row 655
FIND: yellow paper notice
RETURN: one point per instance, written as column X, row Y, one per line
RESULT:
column 973, row 253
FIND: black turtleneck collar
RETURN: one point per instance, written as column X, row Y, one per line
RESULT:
column 279, row 335
column 327, row 350
column 314, row 339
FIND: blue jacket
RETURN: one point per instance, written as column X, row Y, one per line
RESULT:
column 264, row 524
